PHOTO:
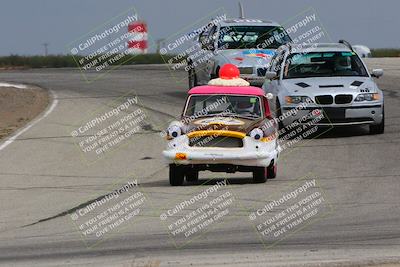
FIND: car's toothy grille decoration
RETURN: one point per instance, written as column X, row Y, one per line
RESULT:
column 218, row 141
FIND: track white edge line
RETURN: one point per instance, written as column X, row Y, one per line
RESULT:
column 14, row 136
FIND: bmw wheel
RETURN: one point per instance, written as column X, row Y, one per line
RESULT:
column 378, row 128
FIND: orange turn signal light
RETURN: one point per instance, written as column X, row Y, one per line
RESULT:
column 180, row 156
column 376, row 96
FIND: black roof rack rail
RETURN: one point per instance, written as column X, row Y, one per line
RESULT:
column 346, row 44
column 288, row 46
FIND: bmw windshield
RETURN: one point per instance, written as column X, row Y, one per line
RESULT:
column 260, row 37
column 326, row 64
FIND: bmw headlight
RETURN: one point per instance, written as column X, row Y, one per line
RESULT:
column 257, row 134
column 367, row 97
column 297, row 99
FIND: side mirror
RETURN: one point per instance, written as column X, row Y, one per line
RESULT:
column 270, row 75
column 269, row 96
column 377, row 73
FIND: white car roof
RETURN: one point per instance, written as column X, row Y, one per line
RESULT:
column 248, row 22
column 322, row 47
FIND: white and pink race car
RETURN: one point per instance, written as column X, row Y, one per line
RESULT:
column 226, row 126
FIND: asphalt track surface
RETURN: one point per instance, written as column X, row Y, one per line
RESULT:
column 43, row 178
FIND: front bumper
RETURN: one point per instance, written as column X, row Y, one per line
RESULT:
column 253, row 153
column 360, row 114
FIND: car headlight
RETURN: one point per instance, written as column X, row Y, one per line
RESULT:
column 174, row 131
column 257, row 134
column 297, row 99
column 367, row 97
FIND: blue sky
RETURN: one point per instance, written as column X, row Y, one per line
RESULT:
column 26, row 24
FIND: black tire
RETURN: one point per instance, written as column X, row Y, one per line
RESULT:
column 192, row 77
column 278, row 114
column 176, row 175
column 379, row 128
column 260, row 174
column 272, row 171
column 216, row 74
column 192, row 176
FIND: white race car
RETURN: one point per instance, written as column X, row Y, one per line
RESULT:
column 328, row 78
column 247, row 43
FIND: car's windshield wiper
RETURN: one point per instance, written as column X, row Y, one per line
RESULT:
column 250, row 116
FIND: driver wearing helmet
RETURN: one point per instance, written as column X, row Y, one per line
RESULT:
column 244, row 106
column 343, row 66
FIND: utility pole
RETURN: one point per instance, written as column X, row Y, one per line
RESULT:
column 159, row 44
column 241, row 12
column 45, row 48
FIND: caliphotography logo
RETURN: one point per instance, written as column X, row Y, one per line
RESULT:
column 199, row 133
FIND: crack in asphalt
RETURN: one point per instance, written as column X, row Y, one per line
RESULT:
column 61, row 214
column 73, row 209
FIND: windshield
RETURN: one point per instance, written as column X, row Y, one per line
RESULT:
column 261, row 37
column 224, row 105
column 327, row 64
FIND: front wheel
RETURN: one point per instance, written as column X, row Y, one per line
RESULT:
column 379, row 128
column 260, row 174
column 176, row 175
column 192, row 176
column 278, row 113
column 272, row 171
column 216, row 74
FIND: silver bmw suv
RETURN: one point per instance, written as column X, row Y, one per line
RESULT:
column 329, row 79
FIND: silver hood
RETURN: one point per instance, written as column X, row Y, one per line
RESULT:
column 248, row 57
column 329, row 85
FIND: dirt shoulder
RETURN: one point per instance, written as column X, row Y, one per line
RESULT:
column 19, row 106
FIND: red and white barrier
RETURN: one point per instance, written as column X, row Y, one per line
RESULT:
column 137, row 43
